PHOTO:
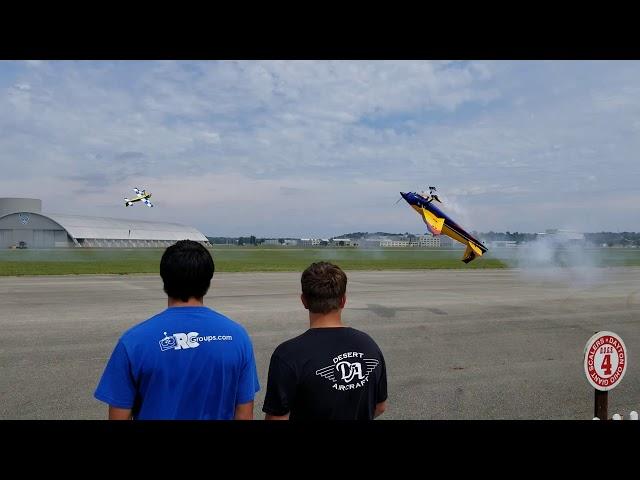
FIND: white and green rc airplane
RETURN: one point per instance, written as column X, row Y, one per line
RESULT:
column 140, row 196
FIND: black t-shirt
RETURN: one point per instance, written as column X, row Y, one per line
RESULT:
column 326, row 373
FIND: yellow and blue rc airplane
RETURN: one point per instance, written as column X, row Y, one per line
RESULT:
column 439, row 223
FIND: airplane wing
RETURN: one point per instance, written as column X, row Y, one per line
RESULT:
column 147, row 202
column 434, row 223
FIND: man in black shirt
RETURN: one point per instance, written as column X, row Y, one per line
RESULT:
column 331, row 371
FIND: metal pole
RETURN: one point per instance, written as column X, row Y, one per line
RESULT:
column 601, row 405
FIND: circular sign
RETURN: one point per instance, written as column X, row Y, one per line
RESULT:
column 605, row 360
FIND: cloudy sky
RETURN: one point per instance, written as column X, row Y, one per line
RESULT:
column 321, row 148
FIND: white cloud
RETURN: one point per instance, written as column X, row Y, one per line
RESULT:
column 496, row 137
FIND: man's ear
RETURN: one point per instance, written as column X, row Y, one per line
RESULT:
column 343, row 301
column 304, row 301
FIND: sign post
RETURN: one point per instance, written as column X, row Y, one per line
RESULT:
column 605, row 362
column 601, row 404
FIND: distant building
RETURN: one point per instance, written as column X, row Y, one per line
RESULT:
column 446, row 242
column 503, row 244
column 394, row 243
column 22, row 222
column 424, row 241
column 568, row 236
column 369, row 242
column 309, row 242
column 342, row 242
column 430, row 241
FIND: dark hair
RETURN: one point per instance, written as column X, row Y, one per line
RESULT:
column 323, row 286
column 186, row 269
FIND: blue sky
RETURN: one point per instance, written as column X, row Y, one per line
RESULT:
column 320, row 148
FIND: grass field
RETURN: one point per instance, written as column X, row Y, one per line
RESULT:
column 252, row 259
column 230, row 259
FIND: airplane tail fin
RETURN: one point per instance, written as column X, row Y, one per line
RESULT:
column 471, row 252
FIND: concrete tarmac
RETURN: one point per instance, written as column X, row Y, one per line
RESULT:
column 459, row 344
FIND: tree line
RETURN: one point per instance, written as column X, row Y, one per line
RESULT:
column 611, row 239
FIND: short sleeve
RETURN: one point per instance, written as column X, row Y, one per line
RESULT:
column 381, row 387
column 248, row 383
column 281, row 387
column 117, row 386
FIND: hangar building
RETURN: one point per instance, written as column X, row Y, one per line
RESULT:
column 22, row 220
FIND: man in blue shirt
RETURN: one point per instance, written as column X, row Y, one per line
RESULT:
column 188, row 362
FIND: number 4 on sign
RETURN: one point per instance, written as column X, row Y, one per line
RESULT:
column 606, row 364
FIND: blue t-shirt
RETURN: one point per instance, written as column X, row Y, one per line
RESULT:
column 184, row 363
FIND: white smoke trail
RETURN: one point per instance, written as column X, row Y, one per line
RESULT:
column 460, row 214
column 556, row 258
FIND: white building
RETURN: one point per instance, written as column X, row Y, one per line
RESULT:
column 430, row 241
column 342, row 242
column 424, row 241
column 503, row 244
column 309, row 242
column 22, row 221
column 394, row 243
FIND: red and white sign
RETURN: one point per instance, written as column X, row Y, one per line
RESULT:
column 605, row 360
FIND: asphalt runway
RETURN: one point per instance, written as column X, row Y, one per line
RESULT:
column 474, row 344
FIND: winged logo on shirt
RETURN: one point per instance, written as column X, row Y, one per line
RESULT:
column 349, row 371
